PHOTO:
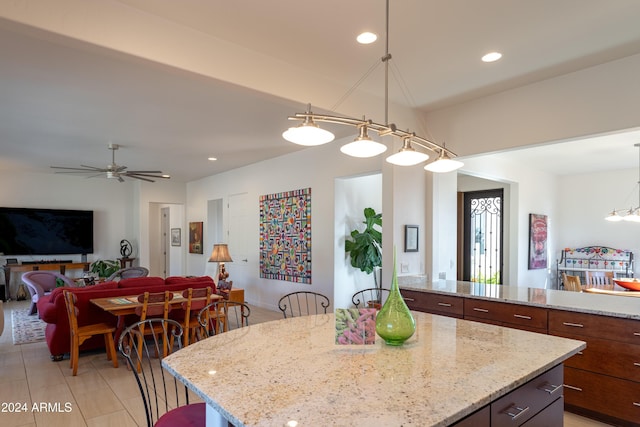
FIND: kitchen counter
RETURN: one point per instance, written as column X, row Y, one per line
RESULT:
column 273, row 373
column 591, row 303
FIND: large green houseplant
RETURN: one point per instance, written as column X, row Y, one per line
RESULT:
column 365, row 247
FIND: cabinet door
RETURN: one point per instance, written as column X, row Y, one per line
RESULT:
column 603, row 394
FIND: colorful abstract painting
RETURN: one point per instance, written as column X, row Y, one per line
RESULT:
column 285, row 236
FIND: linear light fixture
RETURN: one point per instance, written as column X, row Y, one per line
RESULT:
column 308, row 133
column 632, row 214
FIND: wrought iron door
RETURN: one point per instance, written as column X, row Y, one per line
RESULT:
column 482, row 255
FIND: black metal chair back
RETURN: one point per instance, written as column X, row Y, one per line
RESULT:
column 159, row 389
column 303, row 303
column 369, row 298
column 222, row 316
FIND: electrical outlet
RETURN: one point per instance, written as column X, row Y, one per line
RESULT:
column 404, row 267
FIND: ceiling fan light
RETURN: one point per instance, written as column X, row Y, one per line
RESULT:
column 444, row 164
column 308, row 133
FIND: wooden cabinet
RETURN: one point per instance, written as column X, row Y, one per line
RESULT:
column 506, row 314
column 601, row 382
column 604, row 379
column 445, row 305
column 536, row 403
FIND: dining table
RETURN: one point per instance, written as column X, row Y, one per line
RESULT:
column 121, row 306
column 291, row 372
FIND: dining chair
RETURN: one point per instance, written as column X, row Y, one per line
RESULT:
column 197, row 299
column 571, row 283
column 164, row 403
column 79, row 334
column 370, row 297
column 303, row 303
column 223, row 316
column 154, row 305
column 598, row 279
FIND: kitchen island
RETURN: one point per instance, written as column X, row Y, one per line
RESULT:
column 601, row 382
column 290, row 372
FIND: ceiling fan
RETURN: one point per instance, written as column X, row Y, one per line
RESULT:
column 114, row 171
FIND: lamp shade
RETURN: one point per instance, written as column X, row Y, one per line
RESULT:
column 220, row 253
column 444, row 164
column 308, row 133
column 363, row 146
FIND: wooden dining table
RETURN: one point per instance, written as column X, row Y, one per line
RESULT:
column 121, row 306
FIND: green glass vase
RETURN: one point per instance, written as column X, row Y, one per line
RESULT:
column 394, row 322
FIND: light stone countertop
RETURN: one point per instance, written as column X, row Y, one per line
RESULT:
column 608, row 305
column 271, row 373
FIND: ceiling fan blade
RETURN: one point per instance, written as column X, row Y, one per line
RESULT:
column 78, row 171
column 85, row 169
column 144, row 172
column 120, row 179
column 95, row 168
column 141, row 178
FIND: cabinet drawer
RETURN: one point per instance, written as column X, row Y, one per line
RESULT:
column 523, row 403
column 592, row 325
column 603, row 394
column 552, row 415
column 530, row 318
column 613, row 358
column 435, row 303
column 480, row 418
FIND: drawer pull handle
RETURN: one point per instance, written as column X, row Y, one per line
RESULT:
column 579, row 353
column 517, row 413
column 637, row 334
column 550, row 388
column 636, row 403
column 482, row 310
column 444, row 304
column 636, row 364
column 575, row 325
column 408, row 299
column 570, row 387
column 522, row 316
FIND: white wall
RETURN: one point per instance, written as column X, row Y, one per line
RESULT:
column 584, row 202
column 353, row 195
column 317, row 168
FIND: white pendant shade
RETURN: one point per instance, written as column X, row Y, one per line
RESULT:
column 444, row 164
column 407, row 158
column 363, row 148
column 308, row 133
column 614, row 217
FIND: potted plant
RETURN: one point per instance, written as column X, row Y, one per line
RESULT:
column 365, row 248
column 104, row 267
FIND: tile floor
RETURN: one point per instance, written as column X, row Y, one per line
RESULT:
column 98, row 396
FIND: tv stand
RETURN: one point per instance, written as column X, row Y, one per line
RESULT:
column 60, row 266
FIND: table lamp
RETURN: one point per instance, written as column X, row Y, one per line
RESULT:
column 221, row 255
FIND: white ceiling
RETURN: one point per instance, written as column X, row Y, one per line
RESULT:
column 62, row 100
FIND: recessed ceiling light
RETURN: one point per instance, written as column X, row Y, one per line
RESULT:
column 367, row 38
column 491, row 57
column 213, row 159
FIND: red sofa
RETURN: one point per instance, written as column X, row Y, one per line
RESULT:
column 52, row 310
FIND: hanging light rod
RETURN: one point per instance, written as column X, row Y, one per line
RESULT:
column 309, row 133
column 632, row 214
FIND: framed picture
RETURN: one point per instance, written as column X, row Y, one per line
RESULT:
column 411, row 238
column 176, row 237
column 195, row 237
column 537, row 241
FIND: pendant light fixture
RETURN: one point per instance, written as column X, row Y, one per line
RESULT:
column 308, row 133
column 632, row 214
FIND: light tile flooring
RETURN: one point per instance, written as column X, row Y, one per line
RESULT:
column 98, row 396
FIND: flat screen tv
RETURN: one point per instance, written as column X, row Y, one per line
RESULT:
column 25, row 231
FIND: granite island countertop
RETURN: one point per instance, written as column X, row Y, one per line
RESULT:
column 271, row 373
column 627, row 307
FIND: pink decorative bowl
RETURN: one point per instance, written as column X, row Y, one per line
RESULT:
column 632, row 284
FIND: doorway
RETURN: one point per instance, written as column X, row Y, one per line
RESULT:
column 482, row 234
